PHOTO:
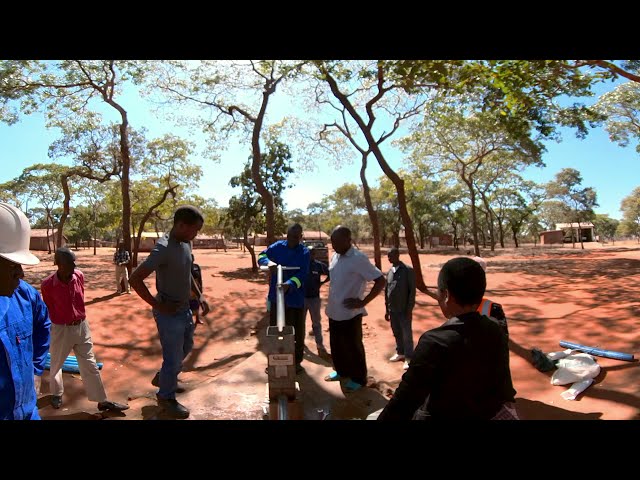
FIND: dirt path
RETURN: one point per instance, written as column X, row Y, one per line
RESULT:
column 588, row 297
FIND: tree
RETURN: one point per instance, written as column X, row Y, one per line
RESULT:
column 455, row 137
column 606, row 226
column 41, row 182
column 221, row 88
column 630, row 207
column 95, row 152
column 164, row 169
column 622, row 110
column 580, row 201
column 246, row 211
column 70, row 88
column 340, row 78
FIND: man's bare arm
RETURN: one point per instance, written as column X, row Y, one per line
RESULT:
column 137, row 283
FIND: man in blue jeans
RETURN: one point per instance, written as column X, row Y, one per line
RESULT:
column 171, row 259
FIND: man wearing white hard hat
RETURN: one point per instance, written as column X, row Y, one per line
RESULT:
column 24, row 320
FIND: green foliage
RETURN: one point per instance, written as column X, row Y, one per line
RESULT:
column 566, row 188
column 246, row 210
column 524, row 94
column 605, row 226
column 622, row 110
column 630, row 207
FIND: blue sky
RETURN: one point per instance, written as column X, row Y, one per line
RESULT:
column 612, row 170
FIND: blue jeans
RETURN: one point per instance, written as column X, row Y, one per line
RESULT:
column 401, row 327
column 176, row 337
column 312, row 305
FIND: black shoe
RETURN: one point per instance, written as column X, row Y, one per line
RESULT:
column 112, row 406
column 56, row 401
column 156, row 383
column 171, row 407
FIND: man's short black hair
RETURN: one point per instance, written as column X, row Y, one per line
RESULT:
column 394, row 250
column 187, row 214
column 64, row 254
column 342, row 232
column 464, row 278
column 295, row 226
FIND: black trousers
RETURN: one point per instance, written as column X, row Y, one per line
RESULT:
column 295, row 318
column 347, row 349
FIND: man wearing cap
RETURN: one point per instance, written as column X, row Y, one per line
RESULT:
column 24, row 320
column 63, row 292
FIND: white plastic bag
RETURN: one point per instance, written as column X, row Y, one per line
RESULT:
column 575, row 368
column 559, row 355
column 576, row 389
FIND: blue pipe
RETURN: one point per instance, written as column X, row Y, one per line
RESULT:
column 69, row 365
column 598, row 351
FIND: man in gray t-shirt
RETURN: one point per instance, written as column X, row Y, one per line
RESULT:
column 171, row 260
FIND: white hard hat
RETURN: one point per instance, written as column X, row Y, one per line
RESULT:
column 15, row 234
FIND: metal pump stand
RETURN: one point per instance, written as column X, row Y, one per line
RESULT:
column 280, row 348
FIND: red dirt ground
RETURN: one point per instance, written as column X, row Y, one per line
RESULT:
column 584, row 296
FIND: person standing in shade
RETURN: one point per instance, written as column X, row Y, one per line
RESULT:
column 121, row 259
column 400, row 298
column 63, row 292
column 171, row 259
column 312, row 302
column 350, row 271
column 24, row 321
column 289, row 253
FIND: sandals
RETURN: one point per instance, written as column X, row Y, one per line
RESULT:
column 332, row 377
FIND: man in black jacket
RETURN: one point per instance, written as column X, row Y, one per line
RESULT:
column 459, row 370
column 400, row 297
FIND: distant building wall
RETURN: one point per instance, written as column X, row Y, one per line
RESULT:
column 550, row 237
column 38, row 240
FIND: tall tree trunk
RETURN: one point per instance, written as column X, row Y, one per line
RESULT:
column 171, row 190
column 489, row 217
column 388, row 171
column 48, row 242
column 501, row 232
column 373, row 215
column 265, row 194
column 248, row 246
column 580, row 235
column 455, row 237
column 395, row 239
column 515, row 238
column 474, row 219
column 64, row 180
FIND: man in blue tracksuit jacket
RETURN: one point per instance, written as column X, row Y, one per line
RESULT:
column 289, row 253
column 24, row 320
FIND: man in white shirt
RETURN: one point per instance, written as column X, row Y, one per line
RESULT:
column 350, row 271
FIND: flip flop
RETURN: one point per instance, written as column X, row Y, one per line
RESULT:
column 352, row 386
column 332, row 377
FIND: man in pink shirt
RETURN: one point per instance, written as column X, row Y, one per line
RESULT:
column 63, row 292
